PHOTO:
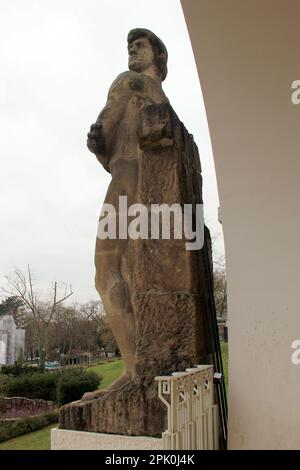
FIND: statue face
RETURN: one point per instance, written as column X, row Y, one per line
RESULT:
column 141, row 55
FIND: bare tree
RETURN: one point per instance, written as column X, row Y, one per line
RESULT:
column 218, row 258
column 21, row 286
column 220, row 292
column 94, row 311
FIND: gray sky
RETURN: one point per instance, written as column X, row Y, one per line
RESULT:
column 57, row 61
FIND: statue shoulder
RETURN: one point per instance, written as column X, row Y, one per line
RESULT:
column 129, row 81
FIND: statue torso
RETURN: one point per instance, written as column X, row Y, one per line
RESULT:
column 135, row 91
column 129, row 94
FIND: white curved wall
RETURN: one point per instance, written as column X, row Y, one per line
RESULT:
column 247, row 54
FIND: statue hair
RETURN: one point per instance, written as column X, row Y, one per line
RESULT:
column 159, row 49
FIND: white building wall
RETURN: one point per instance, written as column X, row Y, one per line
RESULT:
column 247, row 54
column 3, row 343
column 20, row 342
column 8, row 334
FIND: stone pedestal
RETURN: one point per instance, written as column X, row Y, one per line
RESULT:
column 62, row 439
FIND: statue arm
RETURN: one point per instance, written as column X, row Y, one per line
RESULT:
column 95, row 143
column 101, row 135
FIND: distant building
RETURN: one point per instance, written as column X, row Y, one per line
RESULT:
column 84, row 358
column 20, row 342
column 12, row 340
column 223, row 329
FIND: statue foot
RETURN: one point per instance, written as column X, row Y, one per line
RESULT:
column 92, row 395
column 118, row 384
column 131, row 409
column 125, row 378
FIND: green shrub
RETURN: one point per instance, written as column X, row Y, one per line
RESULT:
column 61, row 386
column 17, row 369
column 4, row 380
column 22, row 426
column 36, row 385
column 73, row 383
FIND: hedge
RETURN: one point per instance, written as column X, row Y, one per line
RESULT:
column 73, row 383
column 61, row 386
column 17, row 370
column 35, row 385
column 10, row 429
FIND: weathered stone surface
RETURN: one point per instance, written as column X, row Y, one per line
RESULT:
column 152, row 289
column 17, row 407
column 131, row 410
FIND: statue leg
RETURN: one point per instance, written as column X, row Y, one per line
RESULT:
column 115, row 295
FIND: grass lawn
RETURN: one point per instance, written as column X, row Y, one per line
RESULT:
column 224, row 352
column 40, row 440
column 37, row 440
column 109, row 371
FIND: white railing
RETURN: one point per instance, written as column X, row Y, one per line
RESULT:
column 192, row 412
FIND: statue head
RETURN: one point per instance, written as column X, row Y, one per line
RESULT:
column 145, row 50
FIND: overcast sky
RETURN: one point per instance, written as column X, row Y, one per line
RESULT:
column 57, row 61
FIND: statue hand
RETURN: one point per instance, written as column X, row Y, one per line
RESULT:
column 95, row 142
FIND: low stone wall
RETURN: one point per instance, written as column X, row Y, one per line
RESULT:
column 19, row 407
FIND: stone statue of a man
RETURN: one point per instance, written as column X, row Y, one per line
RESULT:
column 115, row 142
column 152, row 289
